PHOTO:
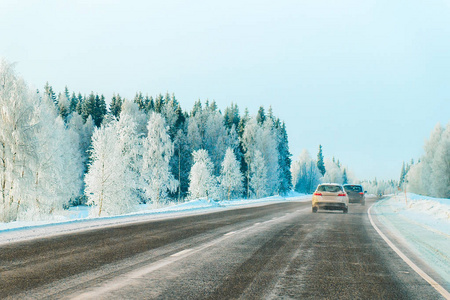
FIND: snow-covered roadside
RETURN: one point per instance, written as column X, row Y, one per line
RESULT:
column 77, row 218
column 423, row 223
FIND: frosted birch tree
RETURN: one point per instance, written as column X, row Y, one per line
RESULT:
column 230, row 176
column 440, row 166
column 258, row 175
column 202, row 182
column 333, row 173
column 17, row 143
column 158, row 150
column 107, row 182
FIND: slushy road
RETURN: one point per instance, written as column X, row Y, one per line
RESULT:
column 268, row 252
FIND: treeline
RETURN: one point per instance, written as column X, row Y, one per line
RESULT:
column 431, row 174
column 307, row 172
column 64, row 149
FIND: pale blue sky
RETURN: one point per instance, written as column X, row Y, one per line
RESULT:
column 366, row 79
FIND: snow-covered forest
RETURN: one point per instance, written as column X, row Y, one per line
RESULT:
column 430, row 175
column 66, row 149
column 307, row 172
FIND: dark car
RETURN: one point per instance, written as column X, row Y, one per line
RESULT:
column 355, row 193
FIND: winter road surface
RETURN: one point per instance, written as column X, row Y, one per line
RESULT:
column 268, row 252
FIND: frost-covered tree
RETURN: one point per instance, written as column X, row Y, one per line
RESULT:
column 258, row 175
column 262, row 139
column 109, row 180
column 430, row 176
column 333, row 174
column 230, row 176
column 17, row 142
column 440, row 166
column 305, row 174
column 202, row 182
column 158, row 150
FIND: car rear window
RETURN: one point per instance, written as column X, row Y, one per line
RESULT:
column 353, row 188
column 329, row 188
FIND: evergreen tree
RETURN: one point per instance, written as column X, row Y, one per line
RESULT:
column 115, row 107
column 80, row 105
column 48, row 90
column 139, row 100
column 261, row 116
column 73, row 103
column 88, row 108
column 320, row 162
column 197, row 108
column 181, row 162
column 344, row 177
column 231, row 116
column 159, row 104
column 284, row 160
column 100, row 110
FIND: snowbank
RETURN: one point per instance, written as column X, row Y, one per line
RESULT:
column 80, row 217
column 422, row 224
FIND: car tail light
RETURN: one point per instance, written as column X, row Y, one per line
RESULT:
column 361, row 193
column 342, row 195
column 317, row 194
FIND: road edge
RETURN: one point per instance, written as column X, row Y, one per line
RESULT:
column 413, row 266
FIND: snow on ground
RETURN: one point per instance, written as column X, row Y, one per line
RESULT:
column 78, row 218
column 422, row 223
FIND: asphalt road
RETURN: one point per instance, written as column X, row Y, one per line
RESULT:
column 279, row 251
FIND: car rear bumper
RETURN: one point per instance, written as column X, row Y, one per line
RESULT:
column 330, row 205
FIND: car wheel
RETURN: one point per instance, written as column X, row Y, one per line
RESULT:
column 314, row 209
column 345, row 210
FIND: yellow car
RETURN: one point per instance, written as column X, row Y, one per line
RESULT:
column 330, row 196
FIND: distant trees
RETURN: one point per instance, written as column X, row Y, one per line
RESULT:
column 305, row 174
column 431, row 174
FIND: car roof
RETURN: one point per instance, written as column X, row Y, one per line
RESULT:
column 338, row 184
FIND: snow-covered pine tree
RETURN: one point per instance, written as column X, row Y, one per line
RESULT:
column 115, row 107
column 320, row 162
column 284, row 160
column 158, row 150
column 230, row 176
column 202, row 182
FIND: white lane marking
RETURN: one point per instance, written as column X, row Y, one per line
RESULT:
column 256, row 224
column 418, row 270
column 181, row 252
column 230, row 233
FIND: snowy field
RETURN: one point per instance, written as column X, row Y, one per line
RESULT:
column 78, row 218
column 422, row 223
